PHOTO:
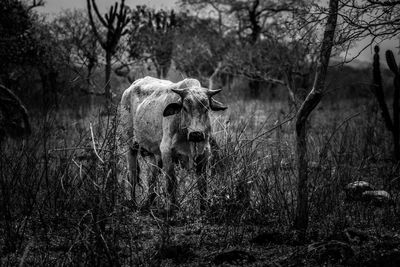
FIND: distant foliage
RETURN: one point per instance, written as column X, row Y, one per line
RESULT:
column 152, row 37
column 79, row 44
column 199, row 47
column 29, row 51
column 14, row 120
column 17, row 44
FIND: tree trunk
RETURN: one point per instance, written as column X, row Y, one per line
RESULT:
column 53, row 85
column 290, row 86
column 165, row 69
column 254, row 89
column 45, row 91
column 396, row 119
column 107, row 89
column 214, row 76
column 158, row 72
column 90, row 68
column 312, row 100
column 301, row 220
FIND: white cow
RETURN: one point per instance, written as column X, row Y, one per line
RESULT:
column 167, row 121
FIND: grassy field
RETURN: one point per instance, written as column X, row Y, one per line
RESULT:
column 61, row 203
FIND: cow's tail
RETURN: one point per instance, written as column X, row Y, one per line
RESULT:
column 124, row 142
column 126, row 121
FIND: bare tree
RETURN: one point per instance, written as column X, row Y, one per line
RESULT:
column 114, row 23
column 220, row 7
column 14, row 119
column 72, row 28
column 152, row 37
column 255, row 24
column 312, row 100
column 366, row 19
column 199, row 49
column 256, row 19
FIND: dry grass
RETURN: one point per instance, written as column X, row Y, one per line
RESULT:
column 61, row 204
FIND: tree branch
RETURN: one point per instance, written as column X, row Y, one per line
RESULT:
column 312, row 100
column 315, row 95
column 35, row 3
column 96, row 10
column 91, row 20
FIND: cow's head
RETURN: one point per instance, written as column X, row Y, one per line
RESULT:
column 194, row 107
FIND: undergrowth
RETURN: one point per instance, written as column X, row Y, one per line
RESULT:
column 61, row 203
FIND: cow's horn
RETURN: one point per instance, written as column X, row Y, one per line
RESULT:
column 210, row 93
column 181, row 92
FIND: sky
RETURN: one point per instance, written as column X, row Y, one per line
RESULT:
column 368, row 53
column 53, row 7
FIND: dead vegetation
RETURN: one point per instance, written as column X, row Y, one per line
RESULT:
column 61, row 203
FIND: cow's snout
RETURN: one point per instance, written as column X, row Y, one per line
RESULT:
column 196, row 137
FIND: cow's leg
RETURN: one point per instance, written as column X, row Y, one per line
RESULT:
column 201, row 165
column 133, row 175
column 156, row 165
column 172, row 184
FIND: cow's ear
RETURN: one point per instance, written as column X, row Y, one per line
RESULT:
column 216, row 105
column 172, row 109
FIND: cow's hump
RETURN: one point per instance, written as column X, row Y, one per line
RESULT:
column 149, row 85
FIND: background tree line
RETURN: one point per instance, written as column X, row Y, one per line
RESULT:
column 268, row 44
